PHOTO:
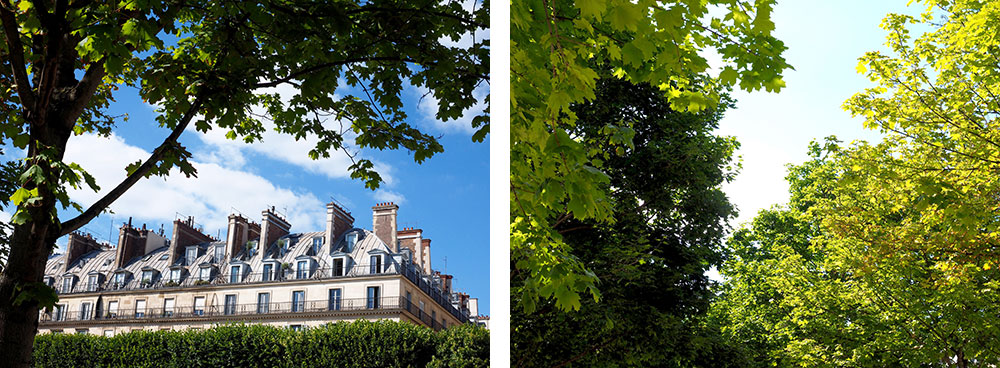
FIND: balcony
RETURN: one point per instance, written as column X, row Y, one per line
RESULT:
column 280, row 275
column 242, row 311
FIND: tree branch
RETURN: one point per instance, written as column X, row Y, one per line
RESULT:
column 84, row 91
column 99, row 206
column 16, row 51
column 331, row 64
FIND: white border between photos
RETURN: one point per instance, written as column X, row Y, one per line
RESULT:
column 500, row 184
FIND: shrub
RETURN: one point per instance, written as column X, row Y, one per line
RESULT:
column 345, row 344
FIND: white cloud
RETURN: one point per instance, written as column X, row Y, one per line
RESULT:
column 209, row 198
column 383, row 195
column 428, row 106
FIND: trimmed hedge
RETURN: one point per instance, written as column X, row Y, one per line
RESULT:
column 355, row 344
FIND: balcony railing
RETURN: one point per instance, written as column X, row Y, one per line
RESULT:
column 244, row 310
column 164, row 282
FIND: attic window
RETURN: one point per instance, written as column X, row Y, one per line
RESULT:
column 106, row 261
column 352, row 238
column 164, row 257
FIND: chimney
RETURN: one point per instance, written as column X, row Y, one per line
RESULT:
column 78, row 245
column 384, row 223
column 184, row 235
column 338, row 221
column 240, row 232
column 425, row 259
column 446, row 283
column 411, row 238
column 272, row 228
column 131, row 244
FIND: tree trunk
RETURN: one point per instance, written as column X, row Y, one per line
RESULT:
column 30, row 246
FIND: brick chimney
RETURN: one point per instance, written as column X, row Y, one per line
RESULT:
column 412, row 239
column 384, row 223
column 425, row 259
column 131, row 244
column 184, row 235
column 446, row 283
column 77, row 245
column 338, row 221
column 239, row 232
column 272, row 227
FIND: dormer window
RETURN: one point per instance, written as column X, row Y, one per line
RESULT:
column 235, row 275
column 302, row 270
column 338, row 266
column 119, row 280
column 352, row 239
column 190, row 255
column 375, row 264
column 220, row 253
column 317, row 243
column 205, row 273
column 67, row 285
column 175, row 275
column 147, row 277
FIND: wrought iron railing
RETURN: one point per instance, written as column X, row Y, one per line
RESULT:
column 244, row 310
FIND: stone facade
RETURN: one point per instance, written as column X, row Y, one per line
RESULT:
column 294, row 280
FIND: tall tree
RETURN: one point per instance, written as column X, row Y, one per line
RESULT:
column 558, row 49
column 669, row 221
column 206, row 63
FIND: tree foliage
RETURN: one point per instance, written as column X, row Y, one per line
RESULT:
column 558, row 51
column 670, row 218
column 209, row 65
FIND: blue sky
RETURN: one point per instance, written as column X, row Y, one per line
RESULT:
column 446, row 196
column 824, row 40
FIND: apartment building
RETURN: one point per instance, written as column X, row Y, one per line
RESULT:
column 260, row 273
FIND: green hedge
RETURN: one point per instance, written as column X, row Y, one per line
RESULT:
column 355, row 344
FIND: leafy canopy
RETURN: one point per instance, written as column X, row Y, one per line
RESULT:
column 670, row 219
column 558, row 50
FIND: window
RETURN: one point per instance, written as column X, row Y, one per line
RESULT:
column 58, row 313
column 205, row 273
column 268, row 271
column 409, row 299
column 352, row 238
column 119, row 280
column 295, row 327
column 175, row 275
column 147, row 277
column 67, row 284
column 334, row 299
column 373, row 297
column 263, row 303
column 50, row 281
column 298, row 300
column 317, row 243
column 191, row 255
column 199, row 305
column 140, row 308
column 230, row 307
column 168, row 307
column 434, row 315
column 420, row 313
column 85, row 311
column 444, row 324
column 109, row 333
column 234, row 274
column 164, row 257
column 113, row 308
column 376, row 265
column 220, row 253
column 302, row 270
column 338, row 267
column 92, row 283
column 82, row 331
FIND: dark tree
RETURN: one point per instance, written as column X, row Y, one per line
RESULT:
column 670, row 217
